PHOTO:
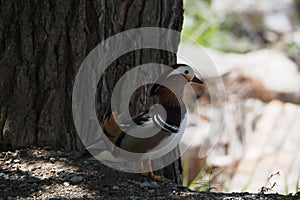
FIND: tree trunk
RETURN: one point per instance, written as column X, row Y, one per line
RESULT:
column 42, row 45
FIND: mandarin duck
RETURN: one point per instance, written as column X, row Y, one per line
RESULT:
column 169, row 92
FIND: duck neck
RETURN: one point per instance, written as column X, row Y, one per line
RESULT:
column 170, row 97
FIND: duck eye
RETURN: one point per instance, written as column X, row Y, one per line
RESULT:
column 186, row 71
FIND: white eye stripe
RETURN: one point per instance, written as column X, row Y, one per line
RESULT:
column 185, row 70
column 182, row 70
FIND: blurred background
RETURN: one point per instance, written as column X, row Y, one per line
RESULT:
column 255, row 45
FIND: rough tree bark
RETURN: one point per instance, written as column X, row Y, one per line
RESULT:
column 43, row 43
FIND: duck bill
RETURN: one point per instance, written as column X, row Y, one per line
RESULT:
column 196, row 80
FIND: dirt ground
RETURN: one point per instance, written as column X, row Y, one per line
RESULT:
column 44, row 174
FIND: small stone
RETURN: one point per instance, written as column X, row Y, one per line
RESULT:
column 16, row 166
column 60, row 171
column 155, row 185
column 6, row 177
column 174, row 188
column 85, row 162
column 31, row 169
column 76, row 179
column 124, row 184
column 52, row 159
column 151, row 191
column 35, row 185
column 115, row 187
column 68, row 195
column 132, row 198
column 66, row 183
column 145, row 184
column 8, row 161
column 130, row 190
column 63, row 159
column 17, row 161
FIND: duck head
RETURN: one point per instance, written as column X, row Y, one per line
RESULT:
column 169, row 88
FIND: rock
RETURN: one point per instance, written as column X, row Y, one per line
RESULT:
column 76, row 179
column 66, row 183
column 60, row 171
column 145, row 184
column 154, row 184
column 132, row 197
column 63, row 159
column 86, row 162
column 258, row 15
column 115, row 187
column 148, row 184
column 23, row 177
column 8, row 161
column 276, row 72
column 52, row 159
column 278, row 22
column 17, row 161
column 5, row 176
